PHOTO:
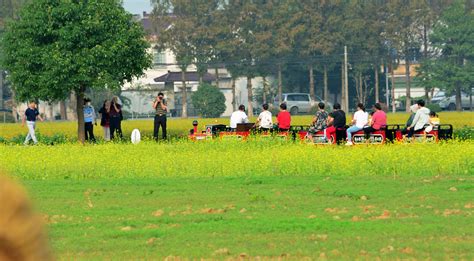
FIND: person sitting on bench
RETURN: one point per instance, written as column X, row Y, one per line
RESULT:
column 238, row 117
column 319, row 122
column 336, row 120
column 360, row 119
column 379, row 121
column 283, row 119
column 421, row 119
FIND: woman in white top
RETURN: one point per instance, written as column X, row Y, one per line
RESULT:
column 361, row 118
column 264, row 121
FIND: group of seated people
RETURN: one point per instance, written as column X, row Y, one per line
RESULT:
column 264, row 120
column 421, row 119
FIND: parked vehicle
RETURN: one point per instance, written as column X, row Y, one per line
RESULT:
column 299, row 102
column 449, row 103
column 438, row 96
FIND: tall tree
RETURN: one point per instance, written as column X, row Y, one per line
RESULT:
column 243, row 44
column 74, row 46
column 453, row 37
column 403, row 21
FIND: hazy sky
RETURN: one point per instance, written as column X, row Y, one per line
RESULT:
column 137, row 6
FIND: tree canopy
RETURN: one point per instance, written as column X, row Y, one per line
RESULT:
column 59, row 47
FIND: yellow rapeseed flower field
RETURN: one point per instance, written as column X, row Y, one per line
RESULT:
column 180, row 127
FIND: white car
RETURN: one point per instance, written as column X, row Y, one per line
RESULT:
column 300, row 102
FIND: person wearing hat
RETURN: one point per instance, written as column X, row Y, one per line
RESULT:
column 89, row 119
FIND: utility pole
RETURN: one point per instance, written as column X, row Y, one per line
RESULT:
column 346, row 82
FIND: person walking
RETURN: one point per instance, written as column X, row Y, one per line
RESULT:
column 31, row 114
column 105, row 119
column 89, row 120
column 115, row 118
column 160, row 116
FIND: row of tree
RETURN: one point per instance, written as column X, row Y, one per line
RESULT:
column 259, row 38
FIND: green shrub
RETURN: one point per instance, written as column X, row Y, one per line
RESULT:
column 209, row 101
column 434, row 107
column 465, row 133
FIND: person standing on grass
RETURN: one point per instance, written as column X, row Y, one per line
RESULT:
column 238, row 117
column 336, row 119
column 105, row 119
column 264, row 121
column 283, row 118
column 160, row 116
column 379, row 120
column 115, row 118
column 360, row 119
column 89, row 120
column 31, row 114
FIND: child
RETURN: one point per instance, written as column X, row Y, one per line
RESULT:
column 434, row 122
column 434, row 118
column 284, row 118
column 30, row 118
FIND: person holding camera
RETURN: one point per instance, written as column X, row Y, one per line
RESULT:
column 160, row 116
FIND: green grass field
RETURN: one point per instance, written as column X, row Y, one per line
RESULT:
column 222, row 200
column 270, row 199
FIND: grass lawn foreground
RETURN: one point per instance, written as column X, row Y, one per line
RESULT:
column 221, row 200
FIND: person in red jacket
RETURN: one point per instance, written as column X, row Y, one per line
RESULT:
column 283, row 118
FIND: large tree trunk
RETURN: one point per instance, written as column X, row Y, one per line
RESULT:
column 51, row 111
column 249, row 96
column 470, row 101
column 376, row 75
column 311, row 82
column 234, row 105
column 264, row 93
column 217, row 77
column 392, row 81
column 357, row 87
column 408, row 83
column 326, row 98
column 458, row 97
column 425, row 57
column 280, row 85
column 184, row 113
column 63, row 110
column 73, row 105
column 14, row 109
column 80, row 115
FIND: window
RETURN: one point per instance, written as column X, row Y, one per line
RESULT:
column 159, row 58
column 303, row 98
